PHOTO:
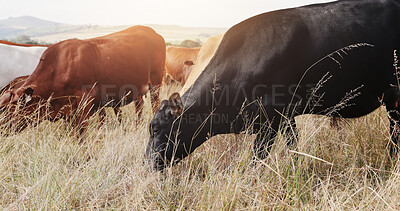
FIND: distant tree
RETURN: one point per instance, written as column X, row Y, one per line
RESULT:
column 190, row 44
column 24, row 39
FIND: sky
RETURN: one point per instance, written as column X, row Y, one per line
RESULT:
column 207, row 13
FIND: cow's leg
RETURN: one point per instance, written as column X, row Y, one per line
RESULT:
column 118, row 112
column 155, row 98
column 81, row 122
column 394, row 117
column 82, row 131
column 290, row 132
column 23, row 124
column 139, row 106
column 102, row 115
column 156, row 78
column 265, row 138
column 392, row 102
column 335, row 121
column 394, row 131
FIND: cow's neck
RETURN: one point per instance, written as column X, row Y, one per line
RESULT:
column 202, row 118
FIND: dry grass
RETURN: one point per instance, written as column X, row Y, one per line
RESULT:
column 345, row 168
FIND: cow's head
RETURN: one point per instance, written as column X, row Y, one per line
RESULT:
column 12, row 97
column 162, row 146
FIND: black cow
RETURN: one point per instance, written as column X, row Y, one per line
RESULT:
column 332, row 59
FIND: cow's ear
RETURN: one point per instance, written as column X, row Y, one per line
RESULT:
column 28, row 95
column 175, row 104
column 189, row 63
column 163, row 104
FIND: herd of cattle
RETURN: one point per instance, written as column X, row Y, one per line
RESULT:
column 333, row 59
column 112, row 70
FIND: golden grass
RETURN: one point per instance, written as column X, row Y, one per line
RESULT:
column 344, row 168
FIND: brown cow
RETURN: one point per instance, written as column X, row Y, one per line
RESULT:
column 206, row 52
column 175, row 65
column 108, row 71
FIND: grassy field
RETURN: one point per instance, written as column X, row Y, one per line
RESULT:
column 343, row 168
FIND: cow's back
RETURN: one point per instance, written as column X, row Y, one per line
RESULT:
column 276, row 56
column 175, row 59
column 206, row 52
column 136, row 53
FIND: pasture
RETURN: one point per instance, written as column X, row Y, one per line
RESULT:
column 330, row 168
column 333, row 59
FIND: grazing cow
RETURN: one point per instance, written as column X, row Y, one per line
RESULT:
column 206, row 52
column 176, row 64
column 106, row 71
column 18, row 60
column 332, row 59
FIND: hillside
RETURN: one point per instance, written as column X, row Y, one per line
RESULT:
column 31, row 26
column 51, row 32
column 25, row 22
